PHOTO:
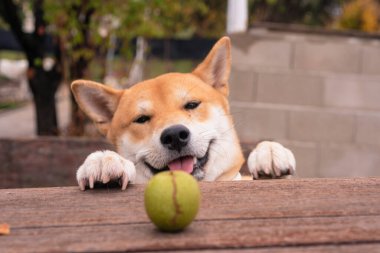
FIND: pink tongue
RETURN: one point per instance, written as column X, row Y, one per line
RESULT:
column 185, row 164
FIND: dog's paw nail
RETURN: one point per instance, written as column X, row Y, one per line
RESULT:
column 91, row 182
column 255, row 174
column 125, row 181
column 277, row 171
column 267, row 170
column 105, row 179
column 82, row 184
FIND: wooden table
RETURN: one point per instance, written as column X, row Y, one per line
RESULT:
column 299, row 215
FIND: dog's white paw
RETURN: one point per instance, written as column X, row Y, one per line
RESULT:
column 271, row 159
column 104, row 166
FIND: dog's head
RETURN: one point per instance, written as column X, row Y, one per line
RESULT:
column 175, row 121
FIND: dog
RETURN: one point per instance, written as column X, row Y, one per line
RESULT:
column 176, row 121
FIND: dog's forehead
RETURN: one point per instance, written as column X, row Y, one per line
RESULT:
column 166, row 89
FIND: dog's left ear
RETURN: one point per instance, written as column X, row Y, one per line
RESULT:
column 215, row 68
column 98, row 101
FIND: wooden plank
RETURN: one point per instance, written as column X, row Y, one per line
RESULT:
column 343, row 248
column 221, row 200
column 212, row 234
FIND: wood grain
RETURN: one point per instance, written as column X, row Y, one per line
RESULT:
column 223, row 200
column 342, row 248
column 213, row 234
column 308, row 215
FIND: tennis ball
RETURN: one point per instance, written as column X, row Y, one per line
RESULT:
column 172, row 200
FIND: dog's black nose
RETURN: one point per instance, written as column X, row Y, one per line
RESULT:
column 175, row 137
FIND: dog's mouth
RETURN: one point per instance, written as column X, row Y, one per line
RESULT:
column 190, row 164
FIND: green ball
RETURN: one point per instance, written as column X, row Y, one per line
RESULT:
column 172, row 200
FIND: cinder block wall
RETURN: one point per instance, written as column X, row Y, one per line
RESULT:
column 318, row 94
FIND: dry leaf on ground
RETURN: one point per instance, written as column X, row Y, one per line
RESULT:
column 4, row 229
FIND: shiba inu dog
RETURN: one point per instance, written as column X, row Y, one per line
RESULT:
column 175, row 121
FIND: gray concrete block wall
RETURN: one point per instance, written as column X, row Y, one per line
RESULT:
column 367, row 129
column 356, row 92
column 320, row 126
column 318, row 94
column 244, row 88
column 349, row 161
column 324, row 55
column 271, row 53
column 289, row 89
column 371, row 59
column 255, row 123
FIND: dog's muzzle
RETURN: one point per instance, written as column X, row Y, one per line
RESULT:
column 197, row 169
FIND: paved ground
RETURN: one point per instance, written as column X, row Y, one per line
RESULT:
column 19, row 123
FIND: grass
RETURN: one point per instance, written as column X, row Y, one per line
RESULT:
column 155, row 67
column 10, row 105
column 11, row 55
column 152, row 68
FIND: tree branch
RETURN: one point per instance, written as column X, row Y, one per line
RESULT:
column 9, row 11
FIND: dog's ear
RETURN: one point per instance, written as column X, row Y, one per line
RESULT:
column 215, row 68
column 98, row 101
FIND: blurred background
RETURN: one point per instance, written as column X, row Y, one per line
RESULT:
column 305, row 73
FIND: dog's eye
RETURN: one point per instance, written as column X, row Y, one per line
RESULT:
column 142, row 119
column 192, row 105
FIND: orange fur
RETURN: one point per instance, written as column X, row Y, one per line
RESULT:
column 166, row 108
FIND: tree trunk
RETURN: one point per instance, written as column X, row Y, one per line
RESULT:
column 44, row 86
column 78, row 118
column 136, row 74
column 78, row 67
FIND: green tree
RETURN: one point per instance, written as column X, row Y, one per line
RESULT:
column 81, row 27
column 81, row 32
column 308, row 12
column 361, row 15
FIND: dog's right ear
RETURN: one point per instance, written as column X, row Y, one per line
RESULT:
column 215, row 68
column 98, row 101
